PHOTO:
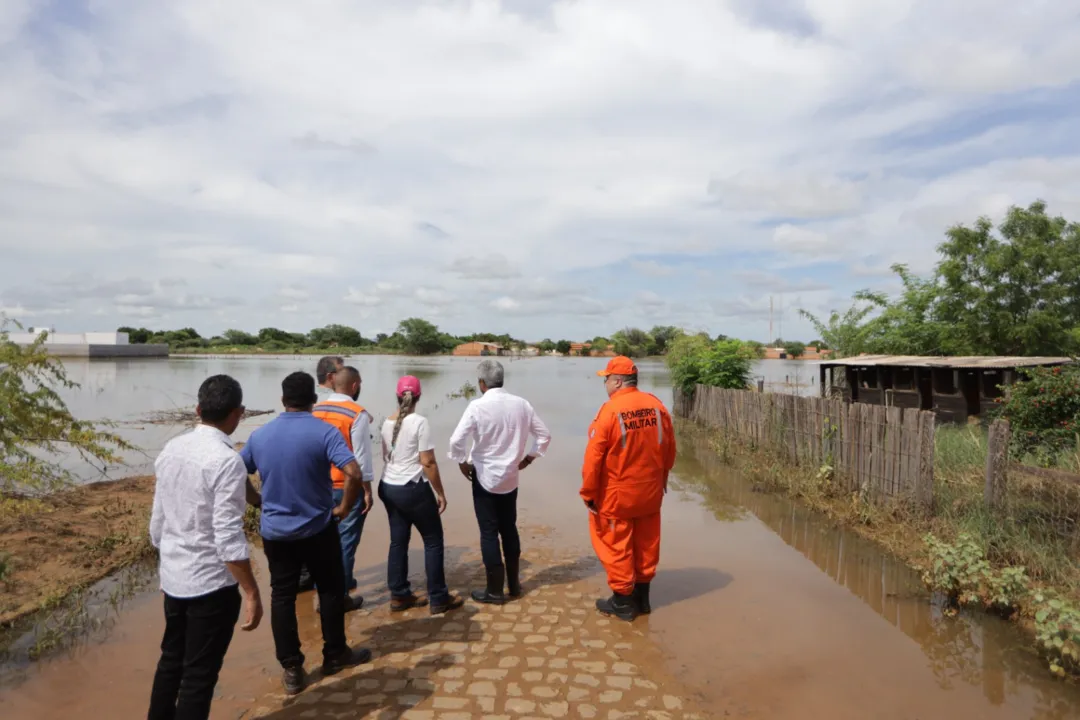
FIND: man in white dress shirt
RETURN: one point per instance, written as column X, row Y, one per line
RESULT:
column 197, row 524
column 499, row 425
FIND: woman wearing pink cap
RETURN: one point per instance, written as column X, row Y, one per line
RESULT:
column 412, row 492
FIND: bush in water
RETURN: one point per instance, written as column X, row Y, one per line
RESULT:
column 695, row 359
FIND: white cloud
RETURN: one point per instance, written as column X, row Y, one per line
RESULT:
column 506, row 304
column 651, row 268
column 450, row 159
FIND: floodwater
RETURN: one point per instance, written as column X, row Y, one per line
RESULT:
column 761, row 608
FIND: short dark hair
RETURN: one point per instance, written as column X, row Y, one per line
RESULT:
column 327, row 366
column 628, row 380
column 298, row 390
column 219, row 395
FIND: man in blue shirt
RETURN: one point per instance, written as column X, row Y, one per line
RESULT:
column 293, row 454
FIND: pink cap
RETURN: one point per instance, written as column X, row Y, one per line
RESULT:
column 408, row 384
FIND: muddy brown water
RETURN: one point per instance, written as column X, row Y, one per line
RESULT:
column 761, row 608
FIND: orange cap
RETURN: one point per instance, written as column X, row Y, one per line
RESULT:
column 621, row 365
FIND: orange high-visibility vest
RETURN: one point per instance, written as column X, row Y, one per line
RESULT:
column 341, row 414
column 630, row 452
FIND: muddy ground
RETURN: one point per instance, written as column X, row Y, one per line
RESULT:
column 69, row 540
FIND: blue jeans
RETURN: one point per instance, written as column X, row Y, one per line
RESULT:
column 350, row 529
column 408, row 506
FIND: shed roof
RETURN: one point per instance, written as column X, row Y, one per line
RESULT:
column 974, row 361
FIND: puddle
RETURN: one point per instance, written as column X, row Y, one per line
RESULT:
column 81, row 620
column 982, row 666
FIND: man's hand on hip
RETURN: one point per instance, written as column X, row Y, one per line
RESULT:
column 526, row 462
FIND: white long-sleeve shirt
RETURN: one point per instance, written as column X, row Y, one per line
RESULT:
column 499, row 425
column 360, row 435
column 197, row 523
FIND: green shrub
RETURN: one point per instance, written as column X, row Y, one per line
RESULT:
column 1057, row 628
column 694, row 360
column 956, row 570
column 1044, row 412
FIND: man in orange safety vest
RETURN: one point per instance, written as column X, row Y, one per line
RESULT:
column 630, row 452
column 353, row 421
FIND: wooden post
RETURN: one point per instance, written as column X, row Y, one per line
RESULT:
column 924, row 487
column 997, row 464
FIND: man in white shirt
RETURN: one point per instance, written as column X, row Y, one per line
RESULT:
column 197, row 524
column 499, row 425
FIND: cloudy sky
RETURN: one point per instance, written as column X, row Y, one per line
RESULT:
column 541, row 168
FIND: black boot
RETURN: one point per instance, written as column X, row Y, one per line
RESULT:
column 641, row 595
column 513, row 577
column 621, row 606
column 493, row 594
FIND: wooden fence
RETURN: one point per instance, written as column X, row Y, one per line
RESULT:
column 879, row 452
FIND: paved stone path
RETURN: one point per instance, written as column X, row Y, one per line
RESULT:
column 547, row 655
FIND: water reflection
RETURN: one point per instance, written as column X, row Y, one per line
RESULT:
column 978, row 650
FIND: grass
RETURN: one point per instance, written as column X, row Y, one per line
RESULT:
column 1038, row 532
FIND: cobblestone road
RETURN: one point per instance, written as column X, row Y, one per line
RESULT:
column 547, row 655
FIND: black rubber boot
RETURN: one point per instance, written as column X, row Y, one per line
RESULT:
column 641, row 595
column 513, row 578
column 621, row 606
column 493, row 593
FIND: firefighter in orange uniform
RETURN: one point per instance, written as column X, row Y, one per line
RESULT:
column 631, row 450
column 342, row 411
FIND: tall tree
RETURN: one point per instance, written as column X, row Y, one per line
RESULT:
column 563, row 347
column 662, row 335
column 420, row 337
column 847, row 333
column 1014, row 293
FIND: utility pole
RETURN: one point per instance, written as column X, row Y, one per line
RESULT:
column 781, row 318
column 771, row 336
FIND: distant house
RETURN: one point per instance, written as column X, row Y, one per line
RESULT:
column 477, row 348
column 811, row 353
column 956, row 388
column 576, row 348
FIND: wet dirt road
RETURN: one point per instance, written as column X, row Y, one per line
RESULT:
column 760, row 611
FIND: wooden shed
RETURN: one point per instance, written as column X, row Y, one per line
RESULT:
column 956, row 388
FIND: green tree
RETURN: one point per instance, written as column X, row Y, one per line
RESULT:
column 633, row 342
column 35, row 424
column 239, row 337
column 420, row 337
column 266, row 335
column 136, row 336
column 846, row 334
column 907, row 325
column 336, row 336
column 1014, row 293
column 546, row 345
column 794, row 349
column 585, row 351
column 563, row 347
column 695, row 360
column 662, row 335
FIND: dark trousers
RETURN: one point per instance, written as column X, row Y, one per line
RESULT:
column 409, row 506
column 197, row 635
column 349, row 529
column 321, row 554
column 497, row 517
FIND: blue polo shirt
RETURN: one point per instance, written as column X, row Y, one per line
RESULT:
column 293, row 453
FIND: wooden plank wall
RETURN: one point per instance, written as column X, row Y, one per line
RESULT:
column 879, row 452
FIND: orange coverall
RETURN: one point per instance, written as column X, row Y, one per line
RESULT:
column 631, row 450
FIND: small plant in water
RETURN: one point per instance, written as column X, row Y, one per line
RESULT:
column 956, row 570
column 1057, row 628
column 1006, row 589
